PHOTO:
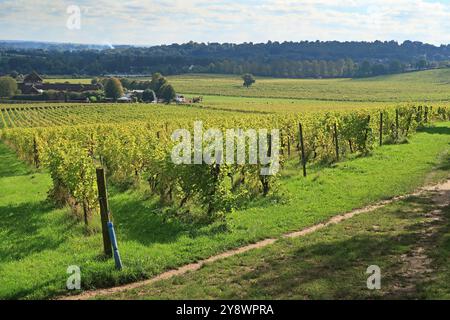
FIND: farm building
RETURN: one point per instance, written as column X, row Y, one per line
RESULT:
column 34, row 84
column 180, row 99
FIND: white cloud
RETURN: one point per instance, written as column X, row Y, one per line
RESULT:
column 159, row 21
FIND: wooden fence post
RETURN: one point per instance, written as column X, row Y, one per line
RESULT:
column 281, row 142
column 269, row 145
column 336, row 141
column 397, row 126
column 381, row 129
column 302, row 148
column 366, row 134
column 36, row 154
column 289, row 145
column 104, row 210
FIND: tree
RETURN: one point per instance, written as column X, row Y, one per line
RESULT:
column 14, row 74
column 158, row 81
column 395, row 66
column 126, row 83
column 365, row 70
column 378, row 69
column 113, row 89
column 168, row 93
column 147, row 95
column 248, row 80
column 8, row 87
column 422, row 64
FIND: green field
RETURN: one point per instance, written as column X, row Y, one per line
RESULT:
column 281, row 105
column 69, row 80
column 425, row 86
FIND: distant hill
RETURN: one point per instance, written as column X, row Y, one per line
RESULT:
column 27, row 45
column 306, row 59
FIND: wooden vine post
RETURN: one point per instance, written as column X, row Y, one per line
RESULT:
column 397, row 126
column 302, row 148
column 282, row 142
column 381, row 129
column 366, row 133
column 104, row 211
column 336, row 141
column 289, row 145
column 36, row 154
column 265, row 181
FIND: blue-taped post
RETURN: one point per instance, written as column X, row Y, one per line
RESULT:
column 104, row 210
column 112, row 236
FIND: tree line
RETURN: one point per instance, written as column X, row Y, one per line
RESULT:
column 287, row 59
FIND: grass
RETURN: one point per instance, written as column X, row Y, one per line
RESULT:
column 424, row 86
column 276, row 105
column 69, row 80
column 328, row 264
column 38, row 242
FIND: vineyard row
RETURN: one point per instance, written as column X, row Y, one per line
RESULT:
column 141, row 151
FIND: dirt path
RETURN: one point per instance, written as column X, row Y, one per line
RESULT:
column 441, row 195
column 416, row 266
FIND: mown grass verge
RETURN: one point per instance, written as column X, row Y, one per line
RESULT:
column 332, row 263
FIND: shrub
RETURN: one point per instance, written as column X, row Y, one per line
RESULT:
column 8, row 87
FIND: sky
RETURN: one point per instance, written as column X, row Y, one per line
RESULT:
column 153, row 22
